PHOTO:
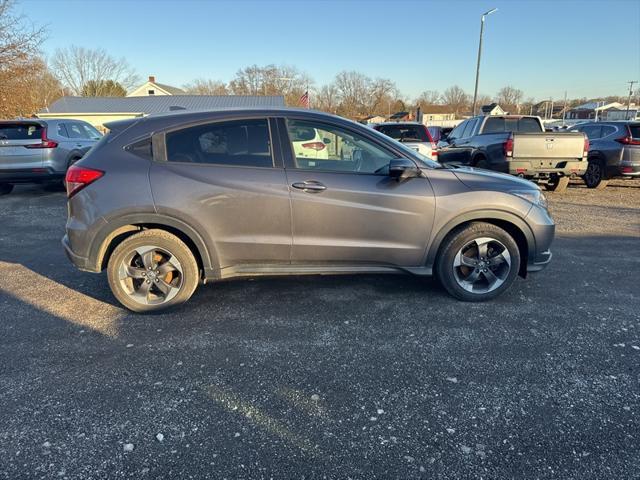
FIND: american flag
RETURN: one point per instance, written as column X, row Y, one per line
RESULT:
column 304, row 99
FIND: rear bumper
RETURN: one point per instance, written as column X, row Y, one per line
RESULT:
column 79, row 261
column 544, row 168
column 31, row 175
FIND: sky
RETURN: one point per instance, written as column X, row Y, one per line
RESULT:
column 589, row 48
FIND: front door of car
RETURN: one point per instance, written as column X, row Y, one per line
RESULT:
column 226, row 181
column 346, row 209
column 451, row 150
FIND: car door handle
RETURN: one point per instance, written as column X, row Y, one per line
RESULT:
column 310, row 186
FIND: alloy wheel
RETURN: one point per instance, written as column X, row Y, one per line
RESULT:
column 593, row 175
column 482, row 265
column 151, row 275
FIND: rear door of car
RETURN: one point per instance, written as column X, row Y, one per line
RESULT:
column 226, row 180
column 346, row 209
column 19, row 145
column 81, row 138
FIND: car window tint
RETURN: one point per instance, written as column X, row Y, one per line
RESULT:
column 457, row 132
column 20, row 131
column 239, row 143
column 62, row 130
column 405, row 133
column 607, row 130
column 334, row 149
column 592, row 131
column 468, row 129
column 91, row 132
column 528, row 125
column 76, row 130
column 635, row 131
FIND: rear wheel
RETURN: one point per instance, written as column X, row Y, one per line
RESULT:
column 594, row 177
column 558, row 184
column 481, row 162
column 478, row 262
column 5, row 188
column 152, row 270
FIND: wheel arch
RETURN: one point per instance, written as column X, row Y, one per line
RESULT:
column 113, row 233
column 511, row 223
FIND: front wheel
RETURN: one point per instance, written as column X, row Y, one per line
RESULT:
column 478, row 262
column 152, row 270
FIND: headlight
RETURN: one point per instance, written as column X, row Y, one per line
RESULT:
column 534, row 196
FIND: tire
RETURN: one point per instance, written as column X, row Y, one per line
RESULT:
column 5, row 188
column 171, row 281
column 595, row 175
column 462, row 247
column 558, row 185
column 481, row 162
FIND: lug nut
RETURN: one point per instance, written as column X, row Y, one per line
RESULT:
column 157, row 280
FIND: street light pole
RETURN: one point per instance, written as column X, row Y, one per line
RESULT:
column 475, row 91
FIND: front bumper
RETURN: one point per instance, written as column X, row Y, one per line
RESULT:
column 540, row 262
column 543, row 229
column 30, row 175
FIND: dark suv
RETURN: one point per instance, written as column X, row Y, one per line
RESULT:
column 164, row 202
column 614, row 151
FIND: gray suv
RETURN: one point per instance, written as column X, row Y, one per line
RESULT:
column 40, row 151
column 614, row 151
column 167, row 201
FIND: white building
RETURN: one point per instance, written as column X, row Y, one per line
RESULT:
column 151, row 87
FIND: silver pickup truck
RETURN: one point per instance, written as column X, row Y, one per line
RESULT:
column 519, row 145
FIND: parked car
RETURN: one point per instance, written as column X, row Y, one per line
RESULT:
column 309, row 143
column 161, row 206
column 414, row 135
column 519, row 145
column 439, row 133
column 614, row 151
column 39, row 151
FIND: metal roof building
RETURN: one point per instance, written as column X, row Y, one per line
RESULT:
column 100, row 110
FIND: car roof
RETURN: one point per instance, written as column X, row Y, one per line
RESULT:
column 397, row 124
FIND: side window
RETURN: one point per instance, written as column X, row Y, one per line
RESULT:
column 243, row 143
column 62, row 130
column 457, row 132
column 469, row 128
column 318, row 146
column 91, row 132
column 76, row 130
column 592, row 131
column 607, row 130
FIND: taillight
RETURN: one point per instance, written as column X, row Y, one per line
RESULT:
column 628, row 140
column 44, row 143
column 79, row 177
column 507, row 147
column 317, row 146
column 585, row 149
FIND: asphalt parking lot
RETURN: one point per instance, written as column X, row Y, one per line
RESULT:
column 336, row 377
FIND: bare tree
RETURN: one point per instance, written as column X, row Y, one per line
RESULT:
column 271, row 80
column 509, row 98
column 456, row 99
column 18, row 43
column 484, row 100
column 353, row 90
column 201, row 86
column 429, row 97
column 382, row 93
column 327, row 98
column 75, row 66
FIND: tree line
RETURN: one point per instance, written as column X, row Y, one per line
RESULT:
column 28, row 82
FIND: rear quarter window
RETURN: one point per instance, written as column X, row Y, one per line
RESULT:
column 635, row 131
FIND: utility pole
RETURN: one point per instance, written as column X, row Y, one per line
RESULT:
column 564, row 109
column 475, row 91
column 631, row 82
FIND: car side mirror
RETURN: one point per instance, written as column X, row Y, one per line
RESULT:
column 401, row 168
